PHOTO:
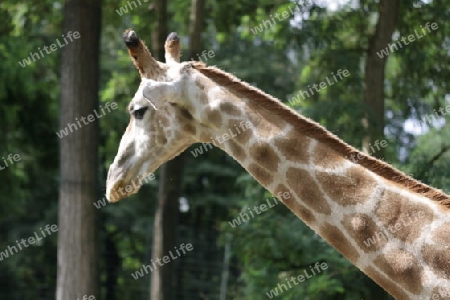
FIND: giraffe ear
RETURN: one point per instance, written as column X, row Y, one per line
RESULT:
column 148, row 67
column 172, row 48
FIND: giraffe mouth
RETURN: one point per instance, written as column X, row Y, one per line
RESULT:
column 121, row 190
column 119, row 185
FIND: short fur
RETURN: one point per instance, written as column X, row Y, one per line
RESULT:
column 319, row 133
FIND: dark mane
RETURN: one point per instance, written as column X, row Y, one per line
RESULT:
column 319, row 133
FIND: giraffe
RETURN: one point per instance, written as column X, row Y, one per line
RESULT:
column 347, row 202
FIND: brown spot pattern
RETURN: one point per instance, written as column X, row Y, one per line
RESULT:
column 325, row 157
column 236, row 150
column 203, row 98
column 230, row 109
column 363, row 230
column 402, row 218
column 265, row 156
column 162, row 121
column 307, row 190
column 338, row 240
column 161, row 139
column 264, row 177
column 293, row 147
column 189, row 129
column 242, row 133
column 404, row 267
column 205, row 85
column 205, row 138
column 267, row 115
column 306, row 127
column 437, row 256
column 214, row 117
column 354, row 187
column 263, row 127
column 298, row 209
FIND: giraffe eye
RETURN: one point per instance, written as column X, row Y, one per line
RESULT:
column 139, row 113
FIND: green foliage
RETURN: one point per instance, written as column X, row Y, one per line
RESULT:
column 28, row 116
column 430, row 160
column 284, row 59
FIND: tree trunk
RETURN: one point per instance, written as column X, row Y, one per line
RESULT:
column 374, row 88
column 167, row 213
column 160, row 34
column 196, row 18
column 77, row 273
column 374, row 76
column 166, row 221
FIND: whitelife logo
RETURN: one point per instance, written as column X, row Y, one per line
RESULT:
column 300, row 278
column 53, row 47
column 86, row 120
column 301, row 95
column 401, row 224
column 31, row 240
column 411, row 38
column 166, row 259
column 128, row 189
column 219, row 139
column 269, row 23
column 12, row 158
column 131, row 4
column 244, row 217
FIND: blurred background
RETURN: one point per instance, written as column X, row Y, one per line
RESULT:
column 399, row 96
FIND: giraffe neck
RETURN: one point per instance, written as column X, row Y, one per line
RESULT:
column 396, row 236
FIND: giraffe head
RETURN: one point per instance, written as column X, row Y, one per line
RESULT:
column 159, row 129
